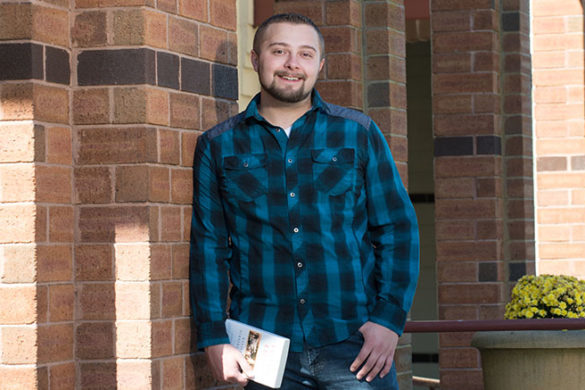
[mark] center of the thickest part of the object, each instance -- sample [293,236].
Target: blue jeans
[327,367]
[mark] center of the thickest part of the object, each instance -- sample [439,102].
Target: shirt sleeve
[209,252]
[393,231]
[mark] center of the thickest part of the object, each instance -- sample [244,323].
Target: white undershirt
[287,131]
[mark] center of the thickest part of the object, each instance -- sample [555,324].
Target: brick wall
[558,75]
[101,105]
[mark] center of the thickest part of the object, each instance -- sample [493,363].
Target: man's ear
[321,64]
[254,59]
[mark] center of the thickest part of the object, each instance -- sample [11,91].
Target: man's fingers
[361,357]
[245,367]
[387,367]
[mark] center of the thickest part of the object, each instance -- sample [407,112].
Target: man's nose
[291,61]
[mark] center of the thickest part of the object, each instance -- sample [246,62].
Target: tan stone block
[18,263]
[162,338]
[90,29]
[185,111]
[42,304]
[173,372]
[132,300]
[141,105]
[183,36]
[61,302]
[54,184]
[17,142]
[170,146]
[55,343]
[59,145]
[161,265]
[170,223]
[184,335]
[61,224]
[98,376]
[18,222]
[181,261]
[51,104]
[188,142]
[93,185]
[193,9]
[54,263]
[17,101]
[94,262]
[155,29]
[172,299]
[19,305]
[135,375]
[187,213]
[97,301]
[15,21]
[17,183]
[95,340]
[133,339]
[50,25]
[19,345]
[19,377]
[223,14]
[112,3]
[62,376]
[213,44]
[214,111]
[182,186]
[132,261]
[116,145]
[91,106]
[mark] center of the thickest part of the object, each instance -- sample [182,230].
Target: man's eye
[307,55]
[278,51]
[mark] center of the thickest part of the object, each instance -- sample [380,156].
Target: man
[300,202]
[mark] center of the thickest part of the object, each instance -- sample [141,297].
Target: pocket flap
[244,161]
[333,156]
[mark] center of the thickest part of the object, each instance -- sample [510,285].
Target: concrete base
[534,360]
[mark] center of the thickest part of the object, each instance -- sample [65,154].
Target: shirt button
[290,160]
[277,130]
[292,194]
[296,230]
[245,164]
[334,158]
[302,301]
[300,265]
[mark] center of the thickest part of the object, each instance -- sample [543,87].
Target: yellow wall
[247,79]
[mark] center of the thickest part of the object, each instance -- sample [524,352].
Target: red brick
[17,102]
[458,312]
[461,83]
[486,62]
[62,376]
[59,144]
[466,208]
[96,376]
[560,77]
[173,373]
[451,21]
[15,21]
[183,336]
[340,39]
[467,166]
[232,44]
[185,111]
[89,29]
[470,293]
[490,230]
[385,42]
[95,340]
[54,184]
[459,358]
[453,125]
[462,379]
[459,339]
[183,36]
[447,42]
[457,272]
[343,93]
[445,5]
[193,9]
[141,105]
[347,66]
[115,224]
[187,212]
[170,147]
[489,188]
[310,8]
[214,111]
[182,186]
[455,188]
[55,343]
[452,63]
[169,6]
[116,145]
[550,95]
[18,222]
[565,250]
[19,264]
[161,262]
[96,301]
[61,224]
[521,230]
[50,25]
[51,104]
[93,185]
[61,302]
[55,263]
[41,224]
[172,299]
[485,20]
[549,25]
[468,250]
[346,12]
[449,230]
[384,15]
[188,142]
[452,104]
[142,183]
[91,106]
[213,44]
[198,372]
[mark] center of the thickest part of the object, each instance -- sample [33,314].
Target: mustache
[287,74]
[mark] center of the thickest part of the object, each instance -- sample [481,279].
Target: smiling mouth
[290,78]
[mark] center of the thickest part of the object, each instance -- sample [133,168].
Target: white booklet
[266,352]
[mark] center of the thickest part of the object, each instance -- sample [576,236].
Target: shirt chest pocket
[246,176]
[333,170]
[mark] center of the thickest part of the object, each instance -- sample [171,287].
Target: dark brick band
[488,272]
[453,146]
[57,65]
[511,21]
[225,81]
[489,144]
[379,95]
[21,61]
[516,271]
[125,66]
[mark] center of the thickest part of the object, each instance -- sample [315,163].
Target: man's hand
[377,352]
[228,364]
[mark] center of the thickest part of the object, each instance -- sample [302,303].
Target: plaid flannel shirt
[315,232]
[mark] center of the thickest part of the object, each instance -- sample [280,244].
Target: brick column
[469,187]
[150,76]
[36,212]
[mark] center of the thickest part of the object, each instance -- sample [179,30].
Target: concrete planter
[535,360]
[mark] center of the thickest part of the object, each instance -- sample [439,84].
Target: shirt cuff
[211,333]
[390,316]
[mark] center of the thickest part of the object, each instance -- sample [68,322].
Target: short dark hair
[286,18]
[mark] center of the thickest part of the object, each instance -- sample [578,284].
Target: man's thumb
[246,368]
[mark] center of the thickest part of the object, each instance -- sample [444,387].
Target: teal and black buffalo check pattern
[315,231]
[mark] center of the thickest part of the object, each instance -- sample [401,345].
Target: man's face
[289,61]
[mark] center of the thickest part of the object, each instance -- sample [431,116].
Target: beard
[284,94]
